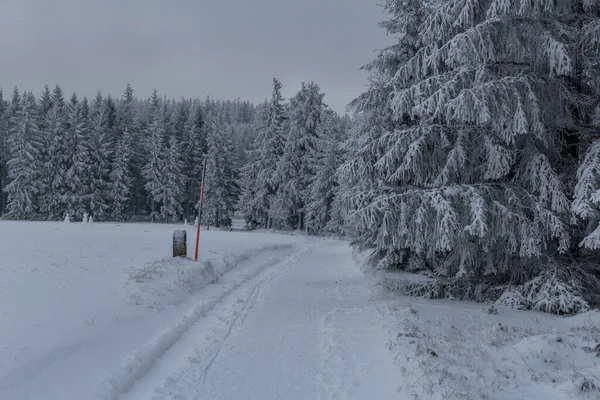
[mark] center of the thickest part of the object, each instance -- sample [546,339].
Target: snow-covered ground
[76,301]
[104,312]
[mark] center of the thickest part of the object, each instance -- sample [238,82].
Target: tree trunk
[300,221]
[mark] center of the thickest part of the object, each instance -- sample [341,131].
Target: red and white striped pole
[200,210]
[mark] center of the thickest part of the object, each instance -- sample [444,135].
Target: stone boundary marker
[180,243]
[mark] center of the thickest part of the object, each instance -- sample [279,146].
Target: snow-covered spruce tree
[221,189]
[112,118]
[296,166]
[171,191]
[120,181]
[194,148]
[56,159]
[181,113]
[494,98]
[24,143]
[168,118]
[125,179]
[324,186]
[78,175]
[338,214]
[248,205]
[101,198]
[260,184]
[45,105]
[154,137]
[4,150]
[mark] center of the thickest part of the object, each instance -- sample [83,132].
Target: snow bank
[170,281]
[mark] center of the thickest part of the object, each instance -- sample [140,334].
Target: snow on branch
[538,175]
[587,190]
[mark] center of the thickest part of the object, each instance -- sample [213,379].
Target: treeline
[120,159]
[113,158]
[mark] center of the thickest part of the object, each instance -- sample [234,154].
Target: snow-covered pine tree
[126,184]
[45,105]
[56,159]
[221,189]
[120,181]
[324,186]
[172,188]
[100,195]
[249,205]
[112,117]
[181,113]
[489,95]
[339,216]
[4,150]
[296,166]
[168,118]
[24,143]
[260,184]
[194,149]
[78,175]
[154,138]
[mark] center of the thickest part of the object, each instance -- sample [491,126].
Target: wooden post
[180,243]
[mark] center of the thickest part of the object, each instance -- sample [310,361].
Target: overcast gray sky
[191,48]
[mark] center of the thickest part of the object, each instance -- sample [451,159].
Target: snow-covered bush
[549,293]
[512,298]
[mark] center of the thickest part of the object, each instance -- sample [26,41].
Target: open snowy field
[103,312]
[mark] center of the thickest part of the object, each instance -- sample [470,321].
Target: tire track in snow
[119,387]
[250,298]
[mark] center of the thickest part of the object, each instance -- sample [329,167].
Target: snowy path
[305,328]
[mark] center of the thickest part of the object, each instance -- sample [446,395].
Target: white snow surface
[103,312]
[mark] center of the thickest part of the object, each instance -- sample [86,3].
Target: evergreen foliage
[471,133]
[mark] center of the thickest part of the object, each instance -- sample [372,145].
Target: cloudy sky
[192,48]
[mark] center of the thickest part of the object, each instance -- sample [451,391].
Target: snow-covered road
[305,328]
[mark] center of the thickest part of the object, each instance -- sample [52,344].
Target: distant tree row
[113,158]
[119,159]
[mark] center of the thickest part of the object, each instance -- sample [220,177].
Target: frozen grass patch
[455,350]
